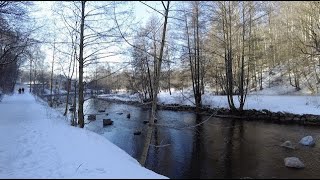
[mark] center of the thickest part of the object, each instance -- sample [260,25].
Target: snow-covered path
[36,142]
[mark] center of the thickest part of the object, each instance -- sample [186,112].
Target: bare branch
[153,8]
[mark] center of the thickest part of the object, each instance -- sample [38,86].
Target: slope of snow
[121,97]
[61,91]
[276,81]
[308,104]
[37,142]
[277,95]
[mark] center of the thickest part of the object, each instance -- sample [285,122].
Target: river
[218,148]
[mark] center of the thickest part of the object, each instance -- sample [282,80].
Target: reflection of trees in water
[153,160]
[197,150]
[229,150]
[146,145]
[156,140]
[148,138]
[230,145]
[140,140]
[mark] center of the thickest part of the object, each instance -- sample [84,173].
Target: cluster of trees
[230,46]
[16,42]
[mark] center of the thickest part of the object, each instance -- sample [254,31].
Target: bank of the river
[219,148]
[250,115]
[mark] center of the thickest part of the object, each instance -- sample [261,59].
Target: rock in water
[92,117]
[287,144]
[307,141]
[293,162]
[101,110]
[137,133]
[128,116]
[107,122]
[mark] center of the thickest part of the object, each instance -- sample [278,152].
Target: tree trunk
[51,79]
[241,89]
[198,103]
[190,58]
[228,58]
[30,75]
[67,100]
[155,91]
[81,85]
[150,82]
[158,70]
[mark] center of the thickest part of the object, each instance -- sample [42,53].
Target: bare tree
[15,41]
[156,86]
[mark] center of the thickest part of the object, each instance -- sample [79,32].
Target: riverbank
[281,117]
[38,142]
[216,148]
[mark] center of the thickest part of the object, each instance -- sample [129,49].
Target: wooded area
[228,47]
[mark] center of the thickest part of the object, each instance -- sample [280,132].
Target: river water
[218,148]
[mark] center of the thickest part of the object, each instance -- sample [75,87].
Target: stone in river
[293,162]
[287,144]
[307,141]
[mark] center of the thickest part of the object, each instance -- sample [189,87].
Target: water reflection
[218,148]
[197,150]
[229,150]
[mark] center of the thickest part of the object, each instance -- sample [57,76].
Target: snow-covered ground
[61,91]
[277,95]
[121,97]
[292,104]
[37,142]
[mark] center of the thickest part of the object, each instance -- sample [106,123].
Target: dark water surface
[219,148]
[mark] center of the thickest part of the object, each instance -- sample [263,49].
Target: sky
[44,16]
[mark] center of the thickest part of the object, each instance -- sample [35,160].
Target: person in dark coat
[19,90]
[22,90]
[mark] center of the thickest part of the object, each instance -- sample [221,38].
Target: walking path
[37,142]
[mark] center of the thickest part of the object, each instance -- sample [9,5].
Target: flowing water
[218,148]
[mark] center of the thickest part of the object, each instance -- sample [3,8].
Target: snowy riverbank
[297,104]
[37,142]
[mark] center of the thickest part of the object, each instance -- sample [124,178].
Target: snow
[275,103]
[277,96]
[37,142]
[308,104]
[61,91]
[121,97]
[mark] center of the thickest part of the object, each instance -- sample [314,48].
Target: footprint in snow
[101,170]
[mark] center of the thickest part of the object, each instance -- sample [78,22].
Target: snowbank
[283,103]
[37,142]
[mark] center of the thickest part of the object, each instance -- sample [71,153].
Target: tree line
[229,46]
[17,44]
